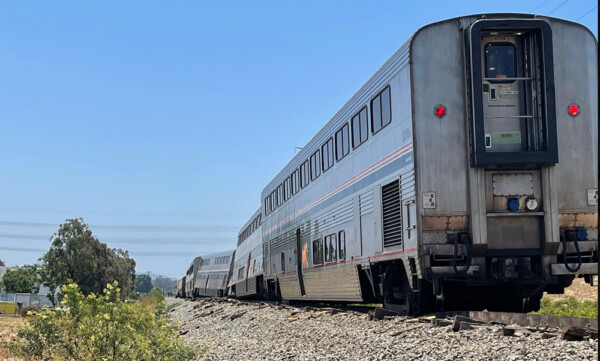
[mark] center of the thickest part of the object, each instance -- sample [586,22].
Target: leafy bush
[157,293]
[98,327]
[571,307]
[24,310]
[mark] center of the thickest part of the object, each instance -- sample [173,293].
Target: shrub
[570,307]
[98,327]
[24,310]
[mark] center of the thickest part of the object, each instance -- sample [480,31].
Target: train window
[315,165]
[360,128]
[342,143]
[327,151]
[318,251]
[273,200]
[286,189]
[282,262]
[381,110]
[500,61]
[342,245]
[240,273]
[330,248]
[304,174]
[294,179]
[280,195]
[267,205]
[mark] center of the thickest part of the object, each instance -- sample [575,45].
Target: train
[462,175]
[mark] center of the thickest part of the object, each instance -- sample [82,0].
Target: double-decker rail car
[190,278]
[180,288]
[462,175]
[212,274]
[247,271]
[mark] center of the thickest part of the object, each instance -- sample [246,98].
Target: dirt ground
[580,290]
[8,329]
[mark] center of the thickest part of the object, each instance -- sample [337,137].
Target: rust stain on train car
[304,256]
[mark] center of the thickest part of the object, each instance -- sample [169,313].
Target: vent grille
[392,216]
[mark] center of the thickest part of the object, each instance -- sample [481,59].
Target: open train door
[514,144]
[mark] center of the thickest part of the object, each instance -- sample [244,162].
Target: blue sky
[178,113]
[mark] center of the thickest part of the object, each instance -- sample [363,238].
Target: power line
[138,253]
[589,11]
[558,7]
[131,240]
[539,6]
[129,227]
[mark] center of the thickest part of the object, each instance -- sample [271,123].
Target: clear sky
[138,115]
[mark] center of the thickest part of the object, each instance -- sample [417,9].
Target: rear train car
[462,175]
[212,274]
[247,270]
[180,288]
[190,278]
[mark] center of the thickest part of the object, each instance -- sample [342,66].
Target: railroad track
[476,318]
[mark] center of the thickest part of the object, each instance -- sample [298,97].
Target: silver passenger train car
[247,270]
[212,274]
[190,278]
[462,175]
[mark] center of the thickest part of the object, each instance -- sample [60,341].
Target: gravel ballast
[236,330]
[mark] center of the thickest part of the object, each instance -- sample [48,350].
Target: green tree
[99,327]
[77,255]
[165,283]
[143,283]
[22,280]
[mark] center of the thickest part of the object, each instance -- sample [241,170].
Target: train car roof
[315,142]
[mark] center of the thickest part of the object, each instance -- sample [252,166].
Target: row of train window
[334,149]
[222,260]
[204,262]
[250,229]
[331,248]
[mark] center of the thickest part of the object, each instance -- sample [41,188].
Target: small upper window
[315,165]
[287,192]
[360,128]
[294,179]
[273,200]
[279,195]
[381,112]
[327,151]
[304,174]
[500,61]
[342,143]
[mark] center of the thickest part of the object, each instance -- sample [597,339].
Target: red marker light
[573,110]
[440,111]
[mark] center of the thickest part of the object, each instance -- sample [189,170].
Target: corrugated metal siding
[333,284]
[289,286]
[366,202]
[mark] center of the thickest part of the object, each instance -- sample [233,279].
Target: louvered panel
[392,215]
[366,202]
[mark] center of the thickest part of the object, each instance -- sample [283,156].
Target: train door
[512,85]
[301,258]
[514,133]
